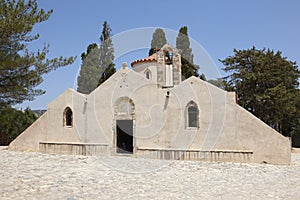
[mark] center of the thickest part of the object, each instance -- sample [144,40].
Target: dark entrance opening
[124,136]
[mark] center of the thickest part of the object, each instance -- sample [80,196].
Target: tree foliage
[188,68]
[13,122]
[267,86]
[97,63]
[106,54]
[203,77]
[158,41]
[219,82]
[90,72]
[21,70]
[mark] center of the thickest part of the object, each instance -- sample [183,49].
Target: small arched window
[148,74]
[68,117]
[192,115]
[168,57]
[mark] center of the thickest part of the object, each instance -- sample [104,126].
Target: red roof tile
[151,58]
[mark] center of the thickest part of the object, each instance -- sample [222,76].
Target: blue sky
[217,26]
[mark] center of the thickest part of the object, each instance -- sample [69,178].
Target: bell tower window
[169,68]
[168,57]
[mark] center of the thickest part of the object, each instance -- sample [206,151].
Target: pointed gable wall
[50,128]
[159,117]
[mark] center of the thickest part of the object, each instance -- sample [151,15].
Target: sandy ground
[44,176]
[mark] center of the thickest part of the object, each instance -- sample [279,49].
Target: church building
[149,111]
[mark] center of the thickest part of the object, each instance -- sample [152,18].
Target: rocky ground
[42,176]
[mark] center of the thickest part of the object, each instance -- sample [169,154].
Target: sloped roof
[152,58]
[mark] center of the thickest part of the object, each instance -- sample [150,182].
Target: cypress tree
[158,41]
[97,63]
[90,71]
[106,54]
[188,68]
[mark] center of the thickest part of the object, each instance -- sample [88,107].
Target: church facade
[149,112]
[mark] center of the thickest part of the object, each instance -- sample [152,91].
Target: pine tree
[294,123]
[158,41]
[188,68]
[267,86]
[21,69]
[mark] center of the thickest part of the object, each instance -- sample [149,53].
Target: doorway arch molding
[124,110]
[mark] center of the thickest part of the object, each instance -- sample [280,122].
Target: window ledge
[192,128]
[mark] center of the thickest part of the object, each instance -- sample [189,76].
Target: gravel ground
[45,176]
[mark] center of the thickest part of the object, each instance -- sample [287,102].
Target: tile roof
[152,58]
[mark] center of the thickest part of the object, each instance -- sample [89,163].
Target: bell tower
[162,67]
[168,66]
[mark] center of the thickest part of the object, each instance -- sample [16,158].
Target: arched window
[168,57]
[68,117]
[148,74]
[192,115]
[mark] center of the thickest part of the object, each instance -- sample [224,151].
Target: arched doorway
[124,140]
[124,122]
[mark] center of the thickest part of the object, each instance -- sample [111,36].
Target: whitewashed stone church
[148,112]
